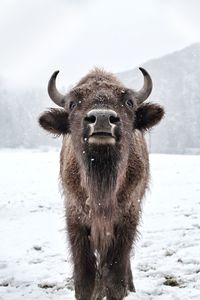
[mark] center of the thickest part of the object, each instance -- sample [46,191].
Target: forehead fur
[100,77]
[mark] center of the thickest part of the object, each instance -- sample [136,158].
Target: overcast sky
[40,36]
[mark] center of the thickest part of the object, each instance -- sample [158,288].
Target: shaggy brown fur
[103,184]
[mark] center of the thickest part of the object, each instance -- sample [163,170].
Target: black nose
[102,119]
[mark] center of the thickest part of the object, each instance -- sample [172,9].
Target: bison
[104,172]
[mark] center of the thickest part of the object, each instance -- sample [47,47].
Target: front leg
[117,272]
[84,261]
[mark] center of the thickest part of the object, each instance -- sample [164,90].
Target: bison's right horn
[54,94]
[144,93]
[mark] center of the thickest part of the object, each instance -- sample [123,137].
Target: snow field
[34,256]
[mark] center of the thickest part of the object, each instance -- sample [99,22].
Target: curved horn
[144,93]
[57,98]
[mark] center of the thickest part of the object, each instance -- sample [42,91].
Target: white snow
[34,257]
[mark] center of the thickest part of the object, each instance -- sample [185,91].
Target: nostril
[114,120]
[90,119]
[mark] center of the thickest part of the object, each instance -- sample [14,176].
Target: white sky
[40,36]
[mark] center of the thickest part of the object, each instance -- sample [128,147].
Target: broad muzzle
[102,124]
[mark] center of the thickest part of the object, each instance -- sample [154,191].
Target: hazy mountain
[176,87]
[176,79]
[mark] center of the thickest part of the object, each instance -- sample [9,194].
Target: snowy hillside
[177,88]
[34,260]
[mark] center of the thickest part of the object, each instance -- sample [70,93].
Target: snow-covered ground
[34,259]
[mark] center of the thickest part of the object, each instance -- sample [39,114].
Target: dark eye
[72,105]
[129,103]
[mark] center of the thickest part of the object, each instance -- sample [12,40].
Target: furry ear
[55,121]
[148,115]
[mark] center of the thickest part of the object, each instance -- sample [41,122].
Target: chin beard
[101,162]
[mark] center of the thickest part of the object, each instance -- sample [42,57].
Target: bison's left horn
[54,94]
[144,93]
